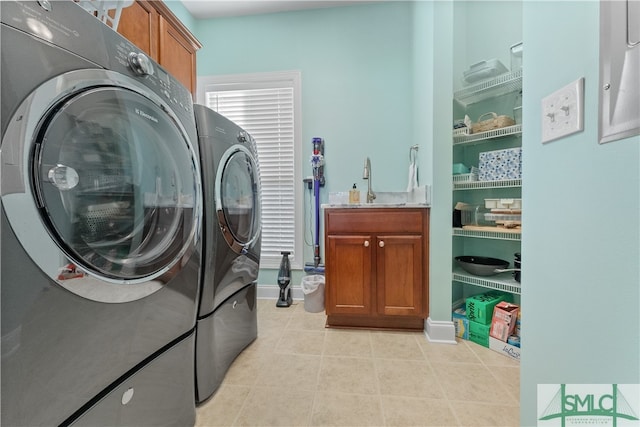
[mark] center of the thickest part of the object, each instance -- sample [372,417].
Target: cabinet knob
[366,243]
[381,243]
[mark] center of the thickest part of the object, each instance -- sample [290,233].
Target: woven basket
[495,122]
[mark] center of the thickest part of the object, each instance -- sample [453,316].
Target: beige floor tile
[448,353]
[509,377]
[346,342]
[273,323]
[408,378]
[397,345]
[223,407]
[347,375]
[486,415]
[276,406]
[490,357]
[299,373]
[292,371]
[301,342]
[301,320]
[244,370]
[269,305]
[264,344]
[407,411]
[471,382]
[339,409]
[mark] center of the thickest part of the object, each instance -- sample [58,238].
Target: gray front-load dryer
[101,226]
[227,320]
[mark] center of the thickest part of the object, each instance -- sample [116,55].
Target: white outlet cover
[563,112]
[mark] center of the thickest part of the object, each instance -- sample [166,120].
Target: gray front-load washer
[227,315]
[101,226]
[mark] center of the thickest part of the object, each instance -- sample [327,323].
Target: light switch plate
[563,111]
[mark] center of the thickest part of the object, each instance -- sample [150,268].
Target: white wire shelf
[460,139]
[480,185]
[500,282]
[500,85]
[505,234]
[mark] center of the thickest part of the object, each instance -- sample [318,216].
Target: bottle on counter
[354,195]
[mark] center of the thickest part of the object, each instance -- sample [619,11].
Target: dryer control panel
[67,25]
[126,58]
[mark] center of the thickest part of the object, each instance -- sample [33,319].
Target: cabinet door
[139,24]
[348,275]
[399,275]
[177,55]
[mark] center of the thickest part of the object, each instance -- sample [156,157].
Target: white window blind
[267,110]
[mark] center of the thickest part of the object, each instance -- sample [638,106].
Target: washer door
[238,198]
[116,186]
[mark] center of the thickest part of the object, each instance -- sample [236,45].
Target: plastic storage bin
[313,290]
[460,168]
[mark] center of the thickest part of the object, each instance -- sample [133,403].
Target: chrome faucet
[366,174]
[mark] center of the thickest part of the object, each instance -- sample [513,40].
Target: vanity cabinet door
[349,275]
[399,275]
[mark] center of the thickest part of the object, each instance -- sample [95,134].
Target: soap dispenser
[354,195]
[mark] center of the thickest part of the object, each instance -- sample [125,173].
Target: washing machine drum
[116,184]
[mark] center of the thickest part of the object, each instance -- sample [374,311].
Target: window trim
[269,80]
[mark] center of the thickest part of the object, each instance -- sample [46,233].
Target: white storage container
[484,70]
[503,203]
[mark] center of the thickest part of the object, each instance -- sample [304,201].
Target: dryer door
[238,198]
[115,185]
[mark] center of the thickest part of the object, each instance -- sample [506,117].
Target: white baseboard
[273,292]
[439,331]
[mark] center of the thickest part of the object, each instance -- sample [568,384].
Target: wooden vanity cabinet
[152,27]
[377,267]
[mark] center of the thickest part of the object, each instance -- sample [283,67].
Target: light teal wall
[356,84]
[181,13]
[440,229]
[581,243]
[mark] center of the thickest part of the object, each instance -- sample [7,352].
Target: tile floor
[298,373]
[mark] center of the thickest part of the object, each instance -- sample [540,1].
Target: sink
[420,197]
[391,198]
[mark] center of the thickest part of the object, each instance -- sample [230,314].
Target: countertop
[417,198]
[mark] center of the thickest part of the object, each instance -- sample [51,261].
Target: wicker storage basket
[495,122]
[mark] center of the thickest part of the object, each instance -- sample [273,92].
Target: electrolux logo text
[615,405]
[146,115]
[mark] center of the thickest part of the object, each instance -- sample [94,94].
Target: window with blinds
[267,106]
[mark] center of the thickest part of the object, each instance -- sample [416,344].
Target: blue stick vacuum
[317,164]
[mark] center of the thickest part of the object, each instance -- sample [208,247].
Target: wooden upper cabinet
[139,24]
[177,54]
[152,27]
